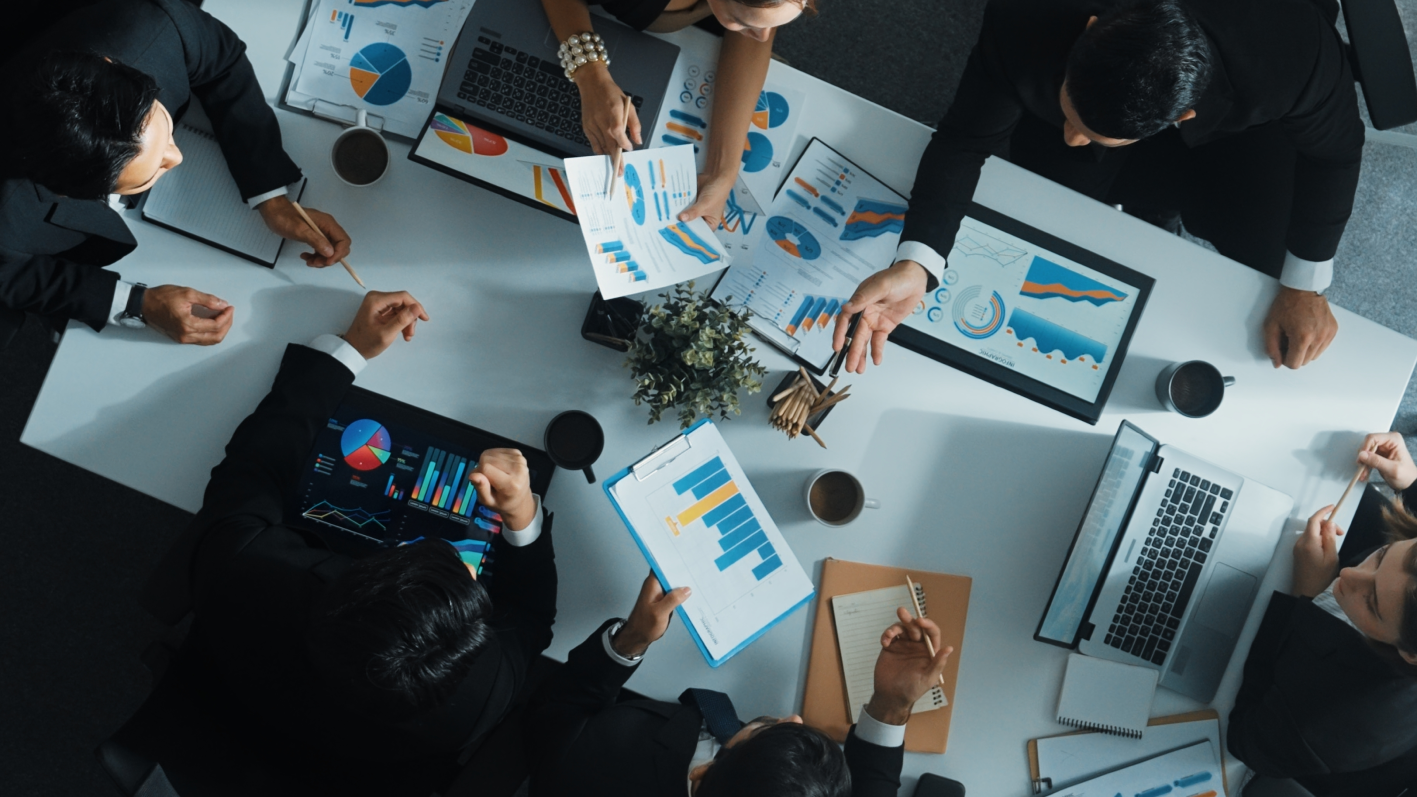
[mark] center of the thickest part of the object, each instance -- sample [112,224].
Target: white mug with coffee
[360,155]
[835,497]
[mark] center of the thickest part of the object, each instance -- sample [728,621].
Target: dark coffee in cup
[574,441]
[360,156]
[1194,389]
[835,497]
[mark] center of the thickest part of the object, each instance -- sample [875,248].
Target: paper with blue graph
[1028,309]
[694,515]
[831,226]
[633,235]
[1192,771]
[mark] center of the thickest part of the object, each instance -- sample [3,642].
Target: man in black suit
[401,656]
[1239,119]
[92,106]
[582,742]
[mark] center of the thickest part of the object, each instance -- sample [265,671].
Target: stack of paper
[385,57]
[1189,772]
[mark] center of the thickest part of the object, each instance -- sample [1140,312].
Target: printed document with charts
[694,515]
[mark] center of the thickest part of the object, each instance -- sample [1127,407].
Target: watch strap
[134,308]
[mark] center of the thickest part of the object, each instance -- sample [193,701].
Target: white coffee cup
[360,155]
[835,497]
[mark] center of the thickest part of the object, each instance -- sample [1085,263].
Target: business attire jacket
[1276,62]
[582,742]
[52,248]
[1318,704]
[256,580]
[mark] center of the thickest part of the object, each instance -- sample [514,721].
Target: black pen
[845,346]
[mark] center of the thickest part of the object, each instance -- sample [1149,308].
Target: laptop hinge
[1156,461]
[1085,631]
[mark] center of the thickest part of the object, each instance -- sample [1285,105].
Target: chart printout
[830,227]
[384,56]
[1192,771]
[704,527]
[633,235]
[1027,309]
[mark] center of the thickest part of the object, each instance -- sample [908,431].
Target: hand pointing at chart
[884,300]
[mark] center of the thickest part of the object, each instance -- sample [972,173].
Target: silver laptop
[1166,564]
[504,73]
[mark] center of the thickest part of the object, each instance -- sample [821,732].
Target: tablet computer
[1030,313]
[382,473]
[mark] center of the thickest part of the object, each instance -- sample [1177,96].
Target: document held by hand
[633,234]
[696,518]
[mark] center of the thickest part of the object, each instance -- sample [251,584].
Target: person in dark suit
[1238,119]
[581,741]
[399,657]
[1330,685]
[93,105]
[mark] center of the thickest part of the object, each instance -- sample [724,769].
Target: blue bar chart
[444,483]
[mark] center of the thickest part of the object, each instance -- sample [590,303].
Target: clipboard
[1041,784]
[653,466]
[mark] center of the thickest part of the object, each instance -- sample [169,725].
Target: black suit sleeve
[1328,134]
[875,770]
[222,78]
[53,286]
[985,111]
[524,592]
[1262,731]
[586,685]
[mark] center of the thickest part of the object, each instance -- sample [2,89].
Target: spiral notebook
[1106,696]
[860,619]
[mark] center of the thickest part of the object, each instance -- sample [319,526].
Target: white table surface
[974,480]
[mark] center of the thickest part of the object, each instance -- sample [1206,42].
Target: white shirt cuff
[870,729]
[1306,275]
[339,348]
[520,538]
[121,290]
[610,649]
[924,255]
[259,198]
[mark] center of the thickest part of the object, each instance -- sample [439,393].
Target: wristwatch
[132,315]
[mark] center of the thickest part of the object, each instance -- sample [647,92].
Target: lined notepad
[200,199]
[861,618]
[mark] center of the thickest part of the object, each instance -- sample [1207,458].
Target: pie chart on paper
[380,74]
[365,445]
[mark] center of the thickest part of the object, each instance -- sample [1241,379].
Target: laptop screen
[382,473]
[1096,538]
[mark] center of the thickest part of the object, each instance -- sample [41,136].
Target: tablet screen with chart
[1030,312]
[382,473]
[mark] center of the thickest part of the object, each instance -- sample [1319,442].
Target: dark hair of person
[1402,525]
[783,760]
[809,7]
[1139,68]
[396,633]
[78,120]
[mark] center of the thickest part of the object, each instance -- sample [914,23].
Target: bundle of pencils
[792,407]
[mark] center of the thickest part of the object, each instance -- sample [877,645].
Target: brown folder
[824,704]
[1035,776]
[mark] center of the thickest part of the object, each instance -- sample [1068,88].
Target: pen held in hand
[342,262]
[619,157]
[915,601]
[845,346]
[1362,469]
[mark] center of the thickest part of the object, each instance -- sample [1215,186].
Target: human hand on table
[330,242]
[187,315]
[713,197]
[649,619]
[382,318]
[905,670]
[1316,555]
[1299,327]
[503,483]
[603,116]
[883,299]
[1386,453]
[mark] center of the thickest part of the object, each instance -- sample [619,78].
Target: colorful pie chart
[365,445]
[771,110]
[380,74]
[793,238]
[757,152]
[462,136]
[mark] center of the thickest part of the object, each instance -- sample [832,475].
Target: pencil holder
[613,323]
[814,421]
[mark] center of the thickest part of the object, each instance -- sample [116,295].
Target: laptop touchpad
[1226,604]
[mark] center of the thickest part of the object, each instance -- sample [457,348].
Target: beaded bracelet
[579,50]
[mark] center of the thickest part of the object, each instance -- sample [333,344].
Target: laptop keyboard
[1170,562]
[526,88]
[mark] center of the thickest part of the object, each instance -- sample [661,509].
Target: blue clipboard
[659,574]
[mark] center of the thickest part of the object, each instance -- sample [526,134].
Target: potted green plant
[691,353]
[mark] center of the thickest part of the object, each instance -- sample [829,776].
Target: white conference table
[974,480]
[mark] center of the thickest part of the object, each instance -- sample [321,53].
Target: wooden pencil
[342,261]
[930,646]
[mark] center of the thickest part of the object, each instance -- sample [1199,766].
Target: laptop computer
[1165,564]
[504,74]
[383,473]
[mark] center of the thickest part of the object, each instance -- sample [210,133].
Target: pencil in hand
[316,228]
[915,601]
[618,158]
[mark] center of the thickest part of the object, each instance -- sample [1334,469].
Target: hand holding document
[632,232]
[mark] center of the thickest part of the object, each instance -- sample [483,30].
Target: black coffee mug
[574,441]
[1194,389]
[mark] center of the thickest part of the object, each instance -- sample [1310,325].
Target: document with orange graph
[700,524]
[632,230]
